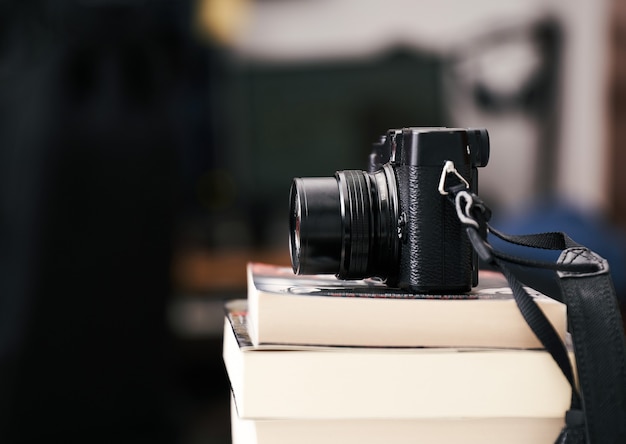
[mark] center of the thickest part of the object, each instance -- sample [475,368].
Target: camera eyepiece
[479,140]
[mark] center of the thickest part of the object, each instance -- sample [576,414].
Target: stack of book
[313,359]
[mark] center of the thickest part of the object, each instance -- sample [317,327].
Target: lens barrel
[315,225]
[356,209]
[345,224]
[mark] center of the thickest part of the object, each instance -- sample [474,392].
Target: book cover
[324,310]
[299,382]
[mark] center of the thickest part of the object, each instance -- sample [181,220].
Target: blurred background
[147,148]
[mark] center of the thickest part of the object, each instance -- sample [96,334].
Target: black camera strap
[598,408]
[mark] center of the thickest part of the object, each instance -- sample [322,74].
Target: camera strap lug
[470,209]
[448,168]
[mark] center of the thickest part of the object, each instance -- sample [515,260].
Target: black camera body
[392,221]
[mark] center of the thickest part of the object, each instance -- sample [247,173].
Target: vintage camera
[391,222]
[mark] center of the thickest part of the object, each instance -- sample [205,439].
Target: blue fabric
[590,229]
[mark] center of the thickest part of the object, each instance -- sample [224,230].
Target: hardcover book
[285,308]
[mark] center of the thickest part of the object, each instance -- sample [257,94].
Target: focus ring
[356,214]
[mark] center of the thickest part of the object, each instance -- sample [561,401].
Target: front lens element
[315,225]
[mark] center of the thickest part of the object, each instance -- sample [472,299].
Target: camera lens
[345,225]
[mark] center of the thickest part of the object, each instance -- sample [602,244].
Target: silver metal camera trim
[449,168]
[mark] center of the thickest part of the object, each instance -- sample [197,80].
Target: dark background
[128,144]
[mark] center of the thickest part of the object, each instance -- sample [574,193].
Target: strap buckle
[464,211]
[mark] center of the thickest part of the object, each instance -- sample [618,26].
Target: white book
[322,310]
[396,431]
[298,382]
